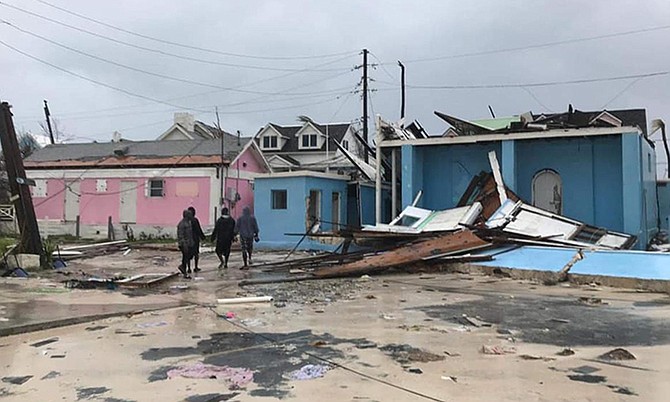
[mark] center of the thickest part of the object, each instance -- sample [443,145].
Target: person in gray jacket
[185,241]
[247,227]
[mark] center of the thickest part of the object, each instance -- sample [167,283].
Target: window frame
[275,203]
[151,188]
[308,137]
[271,138]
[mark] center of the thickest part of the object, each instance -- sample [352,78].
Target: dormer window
[270,142]
[308,141]
[345,144]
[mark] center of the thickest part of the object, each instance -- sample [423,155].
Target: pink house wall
[168,210]
[52,206]
[247,161]
[94,207]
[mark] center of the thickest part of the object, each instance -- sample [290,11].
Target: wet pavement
[393,337]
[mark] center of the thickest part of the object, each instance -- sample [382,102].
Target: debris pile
[488,215]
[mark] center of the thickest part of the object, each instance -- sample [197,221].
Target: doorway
[335,218]
[314,211]
[548,191]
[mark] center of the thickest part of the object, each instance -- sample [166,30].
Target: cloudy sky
[263,61]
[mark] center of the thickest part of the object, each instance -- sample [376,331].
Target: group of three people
[190,233]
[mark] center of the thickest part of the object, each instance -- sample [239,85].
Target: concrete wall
[590,170]
[274,224]
[663,188]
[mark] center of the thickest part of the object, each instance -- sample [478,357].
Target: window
[308,141]
[345,144]
[101,186]
[156,187]
[39,190]
[279,198]
[270,142]
[548,191]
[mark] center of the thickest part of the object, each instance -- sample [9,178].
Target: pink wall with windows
[168,210]
[51,207]
[248,161]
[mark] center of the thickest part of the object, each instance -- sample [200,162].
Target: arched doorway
[548,191]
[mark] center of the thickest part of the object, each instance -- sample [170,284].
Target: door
[314,211]
[72,195]
[128,202]
[548,191]
[335,218]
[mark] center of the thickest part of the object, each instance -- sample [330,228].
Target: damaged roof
[539,122]
[135,153]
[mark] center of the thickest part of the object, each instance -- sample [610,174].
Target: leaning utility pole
[365,99]
[402,91]
[47,114]
[19,185]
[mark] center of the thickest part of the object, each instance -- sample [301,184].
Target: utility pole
[47,114]
[19,185]
[402,91]
[365,99]
[221,179]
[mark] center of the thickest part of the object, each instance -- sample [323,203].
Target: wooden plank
[413,252]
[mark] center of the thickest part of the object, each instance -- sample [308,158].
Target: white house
[310,146]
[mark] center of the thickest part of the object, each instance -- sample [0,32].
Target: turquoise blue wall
[273,223]
[442,172]
[590,169]
[608,181]
[663,189]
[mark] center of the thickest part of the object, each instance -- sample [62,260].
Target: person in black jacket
[223,234]
[185,241]
[198,235]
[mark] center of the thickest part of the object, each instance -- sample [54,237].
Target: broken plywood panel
[442,245]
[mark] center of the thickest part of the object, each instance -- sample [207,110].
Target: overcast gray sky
[391,30]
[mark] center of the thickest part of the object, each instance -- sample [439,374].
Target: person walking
[185,241]
[247,228]
[198,235]
[223,234]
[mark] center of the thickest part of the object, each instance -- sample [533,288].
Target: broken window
[309,140]
[279,199]
[270,142]
[156,187]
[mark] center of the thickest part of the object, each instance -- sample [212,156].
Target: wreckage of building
[597,168]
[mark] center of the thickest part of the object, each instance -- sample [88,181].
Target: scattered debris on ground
[309,372]
[617,354]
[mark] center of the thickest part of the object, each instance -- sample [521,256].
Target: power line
[131,68]
[147,49]
[539,102]
[237,86]
[537,84]
[322,56]
[83,77]
[538,46]
[618,94]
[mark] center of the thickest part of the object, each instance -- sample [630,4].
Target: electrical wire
[148,49]
[537,84]
[85,78]
[537,46]
[131,68]
[322,56]
[539,102]
[618,94]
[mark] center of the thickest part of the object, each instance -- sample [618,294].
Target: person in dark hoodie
[247,228]
[185,241]
[198,235]
[223,234]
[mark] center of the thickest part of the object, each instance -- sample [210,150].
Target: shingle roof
[336,132]
[137,150]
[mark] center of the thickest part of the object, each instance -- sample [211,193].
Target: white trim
[473,139]
[304,126]
[281,159]
[120,173]
[269,126]
[304,173]
[258,151]
[608,118]
[171,129]
[206,130]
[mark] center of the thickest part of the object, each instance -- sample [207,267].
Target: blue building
[290,204]
[595,167]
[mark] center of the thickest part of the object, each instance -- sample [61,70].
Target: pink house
[141,187]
